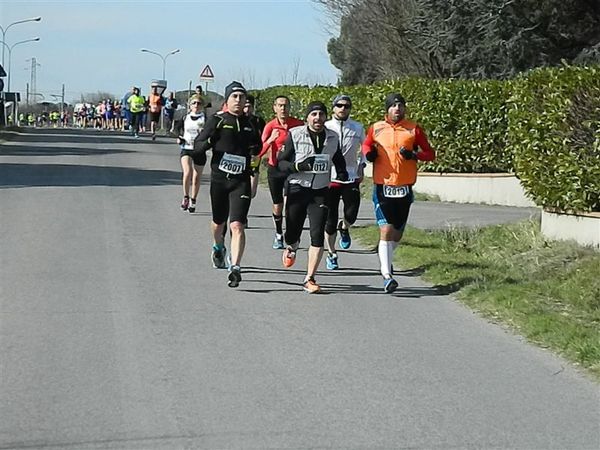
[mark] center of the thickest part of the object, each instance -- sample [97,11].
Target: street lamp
[10,49]
[164,58]
[4,30]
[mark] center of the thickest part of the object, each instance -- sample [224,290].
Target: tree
[382,39]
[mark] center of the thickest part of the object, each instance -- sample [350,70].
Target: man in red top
[273,138]
[394,146]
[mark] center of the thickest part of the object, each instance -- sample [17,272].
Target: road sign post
[207,75]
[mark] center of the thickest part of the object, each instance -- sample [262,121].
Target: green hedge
[554,132]
[543,126]
[451,113]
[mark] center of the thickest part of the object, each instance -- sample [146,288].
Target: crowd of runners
[313,165]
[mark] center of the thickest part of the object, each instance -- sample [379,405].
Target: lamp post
[10,49]
[4,30]
[164,58]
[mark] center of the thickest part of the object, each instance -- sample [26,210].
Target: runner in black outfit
[235,144]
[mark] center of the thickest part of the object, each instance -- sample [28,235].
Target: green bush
[465,120]
[554,132]
[544,126]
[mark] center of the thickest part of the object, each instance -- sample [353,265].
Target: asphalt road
[116,332]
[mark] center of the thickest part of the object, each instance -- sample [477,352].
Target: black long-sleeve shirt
[227,133]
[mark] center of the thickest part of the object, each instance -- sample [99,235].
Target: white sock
[386,253]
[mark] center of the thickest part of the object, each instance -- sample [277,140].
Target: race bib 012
[321,164]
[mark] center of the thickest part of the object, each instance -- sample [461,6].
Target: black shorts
[229,197]
[391,211]
[276,180]
[199,158]
[303,202]
[350,195]
[154,116]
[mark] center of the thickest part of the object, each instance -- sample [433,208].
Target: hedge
[544,126]
[554,133]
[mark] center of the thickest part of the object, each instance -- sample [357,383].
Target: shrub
[554,132]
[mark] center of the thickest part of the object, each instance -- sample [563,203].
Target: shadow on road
[22,150]
[88,136]
[28,175]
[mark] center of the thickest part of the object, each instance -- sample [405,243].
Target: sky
[93,46]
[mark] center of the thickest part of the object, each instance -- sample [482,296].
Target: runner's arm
[205,140]
[266,146]
[340,164]
[369,146]
[424,152]
[287,156]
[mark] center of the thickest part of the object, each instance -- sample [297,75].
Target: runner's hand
[274,136]
[408,154]
[342,176]
[371,155]
[306,165]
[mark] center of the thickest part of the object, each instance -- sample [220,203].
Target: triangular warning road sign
[207,72]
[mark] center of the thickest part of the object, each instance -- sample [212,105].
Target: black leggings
[229,197]
[350,194]
[301,202]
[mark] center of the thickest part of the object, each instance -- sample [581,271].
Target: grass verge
[547,291]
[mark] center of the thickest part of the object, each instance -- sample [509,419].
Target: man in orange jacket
[394,145]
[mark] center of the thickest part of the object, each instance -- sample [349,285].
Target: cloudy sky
[95,46]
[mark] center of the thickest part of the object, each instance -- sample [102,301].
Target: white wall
[584,229]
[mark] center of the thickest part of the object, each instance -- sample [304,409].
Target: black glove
[306,165]
[180,140]
[371,155]
[342,176]
[408,154]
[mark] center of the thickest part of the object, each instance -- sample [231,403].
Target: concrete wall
[584,229]
[490,189]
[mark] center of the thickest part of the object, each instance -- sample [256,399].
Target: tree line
[470,39]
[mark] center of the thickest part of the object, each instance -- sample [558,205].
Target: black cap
[315,106]
[234,86]
[392,99]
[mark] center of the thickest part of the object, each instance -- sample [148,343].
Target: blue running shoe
[332,262]
[345,239]
[278,243]
[218,257]
[389,285]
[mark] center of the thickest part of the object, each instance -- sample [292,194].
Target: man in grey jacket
[308,155]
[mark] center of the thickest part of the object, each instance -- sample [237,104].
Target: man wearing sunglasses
[394,145]
[351,135]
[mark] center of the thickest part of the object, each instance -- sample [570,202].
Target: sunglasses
[342,105]
[196,103]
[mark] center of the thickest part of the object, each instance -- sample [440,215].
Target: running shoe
[278,243]
[153,137]
[192,206]
[185,203]
[345,239]
[311,286]
[332,261]
[389,285]
[234,277]
[288,257]
[218,257]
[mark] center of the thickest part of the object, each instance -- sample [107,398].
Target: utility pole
[33,82]
[27,96]
[62,105]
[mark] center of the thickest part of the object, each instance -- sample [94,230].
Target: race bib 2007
[233,164]
[321,164]
[395,191]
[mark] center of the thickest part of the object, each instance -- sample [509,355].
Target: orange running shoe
[311,286]
[288,257]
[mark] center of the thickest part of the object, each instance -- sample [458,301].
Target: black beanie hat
[250,99]
[234,86]
[392,99]
[315,106]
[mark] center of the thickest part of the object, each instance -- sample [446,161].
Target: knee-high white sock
[386,253]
